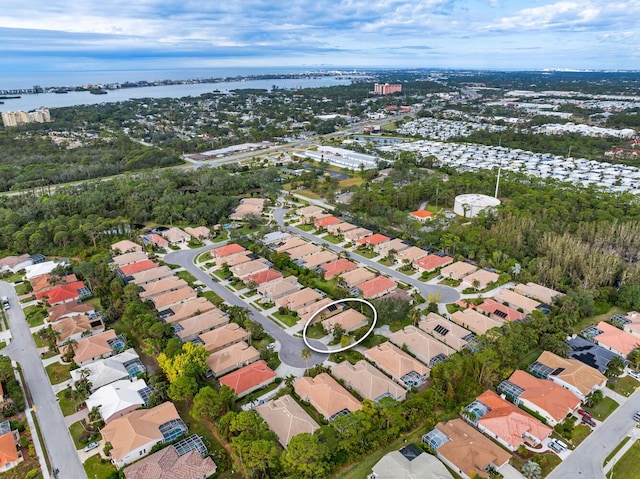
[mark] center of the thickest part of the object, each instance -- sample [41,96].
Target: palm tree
[306,355]
[70,347]
[531,470]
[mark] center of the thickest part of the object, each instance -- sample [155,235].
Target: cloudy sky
[139,34]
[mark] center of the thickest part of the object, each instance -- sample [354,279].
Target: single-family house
[302,251]
[505,422]
[356,234]
[118,398]
[299,299]
[465,450]
[337,267]
[376,287]
[388,247]
[125,246]
[543,396]
[305,313]
[100,345]
[128,258]
[372,240]
[63,310]
[472,320]
[126,365]
[312,261]
[421,215]
[614,339]
[286,418]
[226,250]
[46,282]
[458,270]
[65,293]
[481,279]
[169,298]
[251,267]
[402,368]
[309,210]
[73,328]
[418,465]
[421,345]
[133,268]
[274,290]
[223,337]
[199,232]
[448,332]
[590,353]
[410,254]
[349,320]
[181,311]
[630,323]
[327,221]
[10,454]
[188,329]
[326,395]
[248,206]
[431,262]
[236,259]
[353,278]
[367,381]
[151,275]
[308,219]
[245,380]
[275,237]
[134,435]
[516,301]
[182,460]
[340,228]
[154,240]
[569,373]
[15,263]
[232,357]
[537,291]
[165,285]
[500,312]
[38,269]
[267,276]
[289,243]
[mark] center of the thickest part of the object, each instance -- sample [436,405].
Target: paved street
[290,347]
[58,442]
[447,294]
[586,461]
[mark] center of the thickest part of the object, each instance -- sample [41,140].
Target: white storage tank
[471,205]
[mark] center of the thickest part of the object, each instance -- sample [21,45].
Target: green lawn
[585,322]
[23,288]
[580,433]
[77,431]
[348,355]
[58,372]
[306,228]
[68,404]
[627,466]
[367,253]
[222,274]
[549,463]
[625,386]
[35,315]
[256,394]
[40,343]
[386,262]
[212,296]
[286,318]
[188,277]
[615,450]
[98,468]
[333,239]
[316,331]
[603,409]
[529,358]
[95,302]
[206,256]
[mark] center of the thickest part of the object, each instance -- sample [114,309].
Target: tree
[305,457]
[70,346]
[305,354]
[634,357]
[531,470]
[191,361]
[212,404]
[183,388]
[615,367]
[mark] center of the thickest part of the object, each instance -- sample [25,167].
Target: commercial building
[387,88]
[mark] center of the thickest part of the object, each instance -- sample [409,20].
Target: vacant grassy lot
[625,386]
[286,319]
[627,466]
[35,315]
[603,409]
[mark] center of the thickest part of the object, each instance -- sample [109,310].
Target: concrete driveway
[57,441]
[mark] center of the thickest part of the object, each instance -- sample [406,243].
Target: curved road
[57,441]
[447,294]
[290,347]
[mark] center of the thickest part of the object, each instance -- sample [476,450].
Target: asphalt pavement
[290,347]
[56,437]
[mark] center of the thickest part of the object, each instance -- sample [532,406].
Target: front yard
[58,372]
[627,466]
[603,409]
[286,318]
[35,314]
[68,402]
[99,468]
[625,386]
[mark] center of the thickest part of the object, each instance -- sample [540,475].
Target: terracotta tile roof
[509,422]
[68,309]
[44,282]
[474,321]
[420,344]
[224,336]
[302,251]
[422,214]
[286,418]
[340,228]
[615,339]
[200,323]
[308,311]
[411,254]
[377,287]
[394,361]
[93,346]
[458,270]
[232,357]
[324,222]
[168,298]
[290,243]
[251,267]
[357,276]
[13,261]
[198,232]
[446,331]
[278,289]
[546,395]
[431,262]
[153,274]
[516,300]
[349,320]
[483,276]
[309,210]
[469,450]
[74,325]
[125,246]
[63,293]
[189,308]
[334,268]
[537,291]
[373,239]
[176,235]
[356,234]
[575,373]
[367,381]
[317,259]
[137,428]
[326,395]
[128,258]
[299,299]
[227,250]
[155,239]
[8,450]
[236,259]
[249,378]
[167,464]
[500,311]
[395,244]
[163,285]
[245,209]
[134,268]
[264,276]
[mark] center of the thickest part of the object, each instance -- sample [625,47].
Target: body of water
[59,79]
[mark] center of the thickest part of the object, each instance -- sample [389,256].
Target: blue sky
[145,34]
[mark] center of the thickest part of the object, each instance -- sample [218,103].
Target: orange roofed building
[376,287]
[326,395]
[337,267]
[249,378]
[227,250]
[431,262]
[505,422]
[10,456]
[373,240]
[421,215]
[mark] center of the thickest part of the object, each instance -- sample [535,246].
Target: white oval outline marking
[339,350]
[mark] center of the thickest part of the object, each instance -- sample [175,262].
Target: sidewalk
[635,435]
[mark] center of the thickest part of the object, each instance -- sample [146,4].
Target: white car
[634,374]
[91,446]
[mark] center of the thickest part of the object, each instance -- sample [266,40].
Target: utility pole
[498,181]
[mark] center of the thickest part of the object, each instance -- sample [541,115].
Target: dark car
[584,413]
[589,421]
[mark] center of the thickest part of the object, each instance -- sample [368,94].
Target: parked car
[636,417]
[584,413]
[589,421]
[561,444]
[634,374]
[553,445]
[90,446]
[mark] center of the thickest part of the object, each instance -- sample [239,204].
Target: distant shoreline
[193,81]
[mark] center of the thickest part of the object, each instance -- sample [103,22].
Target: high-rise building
[387,88]
[15,118]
